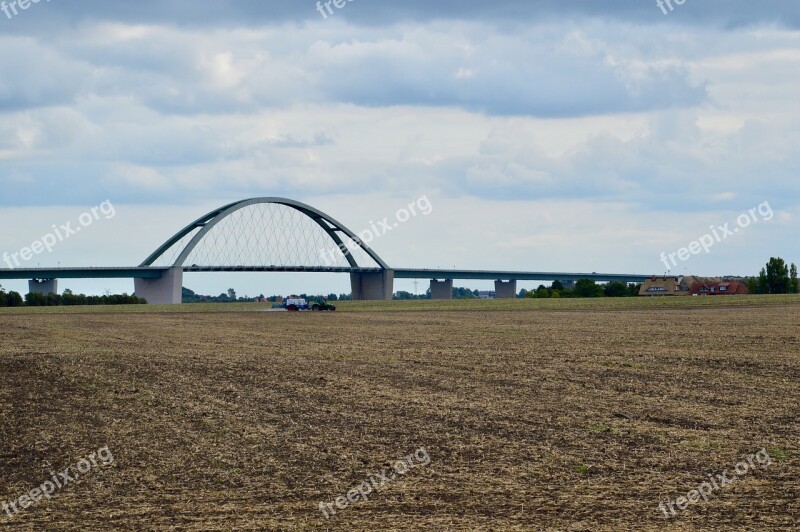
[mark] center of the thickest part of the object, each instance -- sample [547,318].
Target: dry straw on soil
[536,418]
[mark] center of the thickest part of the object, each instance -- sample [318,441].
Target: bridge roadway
[163,285]
[491,275]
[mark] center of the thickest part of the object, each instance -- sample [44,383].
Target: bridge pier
[166,290]
[442,289]
[43,286]
[372,286]
[505,289]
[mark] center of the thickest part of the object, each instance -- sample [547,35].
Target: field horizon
[516,304]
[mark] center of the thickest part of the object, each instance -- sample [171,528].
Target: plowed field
[531,417]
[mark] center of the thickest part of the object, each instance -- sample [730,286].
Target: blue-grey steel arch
[207,222]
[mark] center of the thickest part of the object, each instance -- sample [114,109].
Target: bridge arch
[203,226]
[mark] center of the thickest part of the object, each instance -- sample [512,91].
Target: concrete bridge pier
[505,289]
[166,290]
[442,289]
[372,286]
[43,286]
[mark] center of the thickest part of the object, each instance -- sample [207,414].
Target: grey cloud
[721,13]
[505,77]
[543,73]
[34,75]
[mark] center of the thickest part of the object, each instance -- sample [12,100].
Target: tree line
[583,288]
[190,296]
[67,299]
[775,278]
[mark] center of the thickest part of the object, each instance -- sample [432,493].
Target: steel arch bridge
[267,234]
[259,237]
[274,234]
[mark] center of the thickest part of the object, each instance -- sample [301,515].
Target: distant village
[694,286]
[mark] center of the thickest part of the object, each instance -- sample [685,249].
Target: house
[724,288]
[663,286]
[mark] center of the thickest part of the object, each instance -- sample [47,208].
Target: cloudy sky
[548,135]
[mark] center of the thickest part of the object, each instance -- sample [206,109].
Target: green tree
[762,283]
[35,300]
[14,299]
[776,276]
[231,294]
[634,288]
[752,285]
[463,293]
[616,289]
[793,284]
[557,286]
[542,292]
[587,288]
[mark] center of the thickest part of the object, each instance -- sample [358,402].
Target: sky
[557,135]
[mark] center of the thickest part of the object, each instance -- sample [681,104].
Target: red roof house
[731,288]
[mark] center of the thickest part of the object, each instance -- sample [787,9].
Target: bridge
[281,235]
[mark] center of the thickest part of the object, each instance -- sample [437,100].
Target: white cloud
[140,177]
[723,196]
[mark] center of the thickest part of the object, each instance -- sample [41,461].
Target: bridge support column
[442,289]
[372,286]
[505,289]
[43,286]
[166,290]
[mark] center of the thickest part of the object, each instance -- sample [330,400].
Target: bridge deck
[82,273]
[490,275]
[399,273]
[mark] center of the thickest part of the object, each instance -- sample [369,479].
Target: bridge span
[281,235]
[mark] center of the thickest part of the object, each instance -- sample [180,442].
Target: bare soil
[567,419]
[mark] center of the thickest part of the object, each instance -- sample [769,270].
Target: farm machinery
[297,304]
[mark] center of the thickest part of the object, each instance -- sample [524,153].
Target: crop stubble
[533,419]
